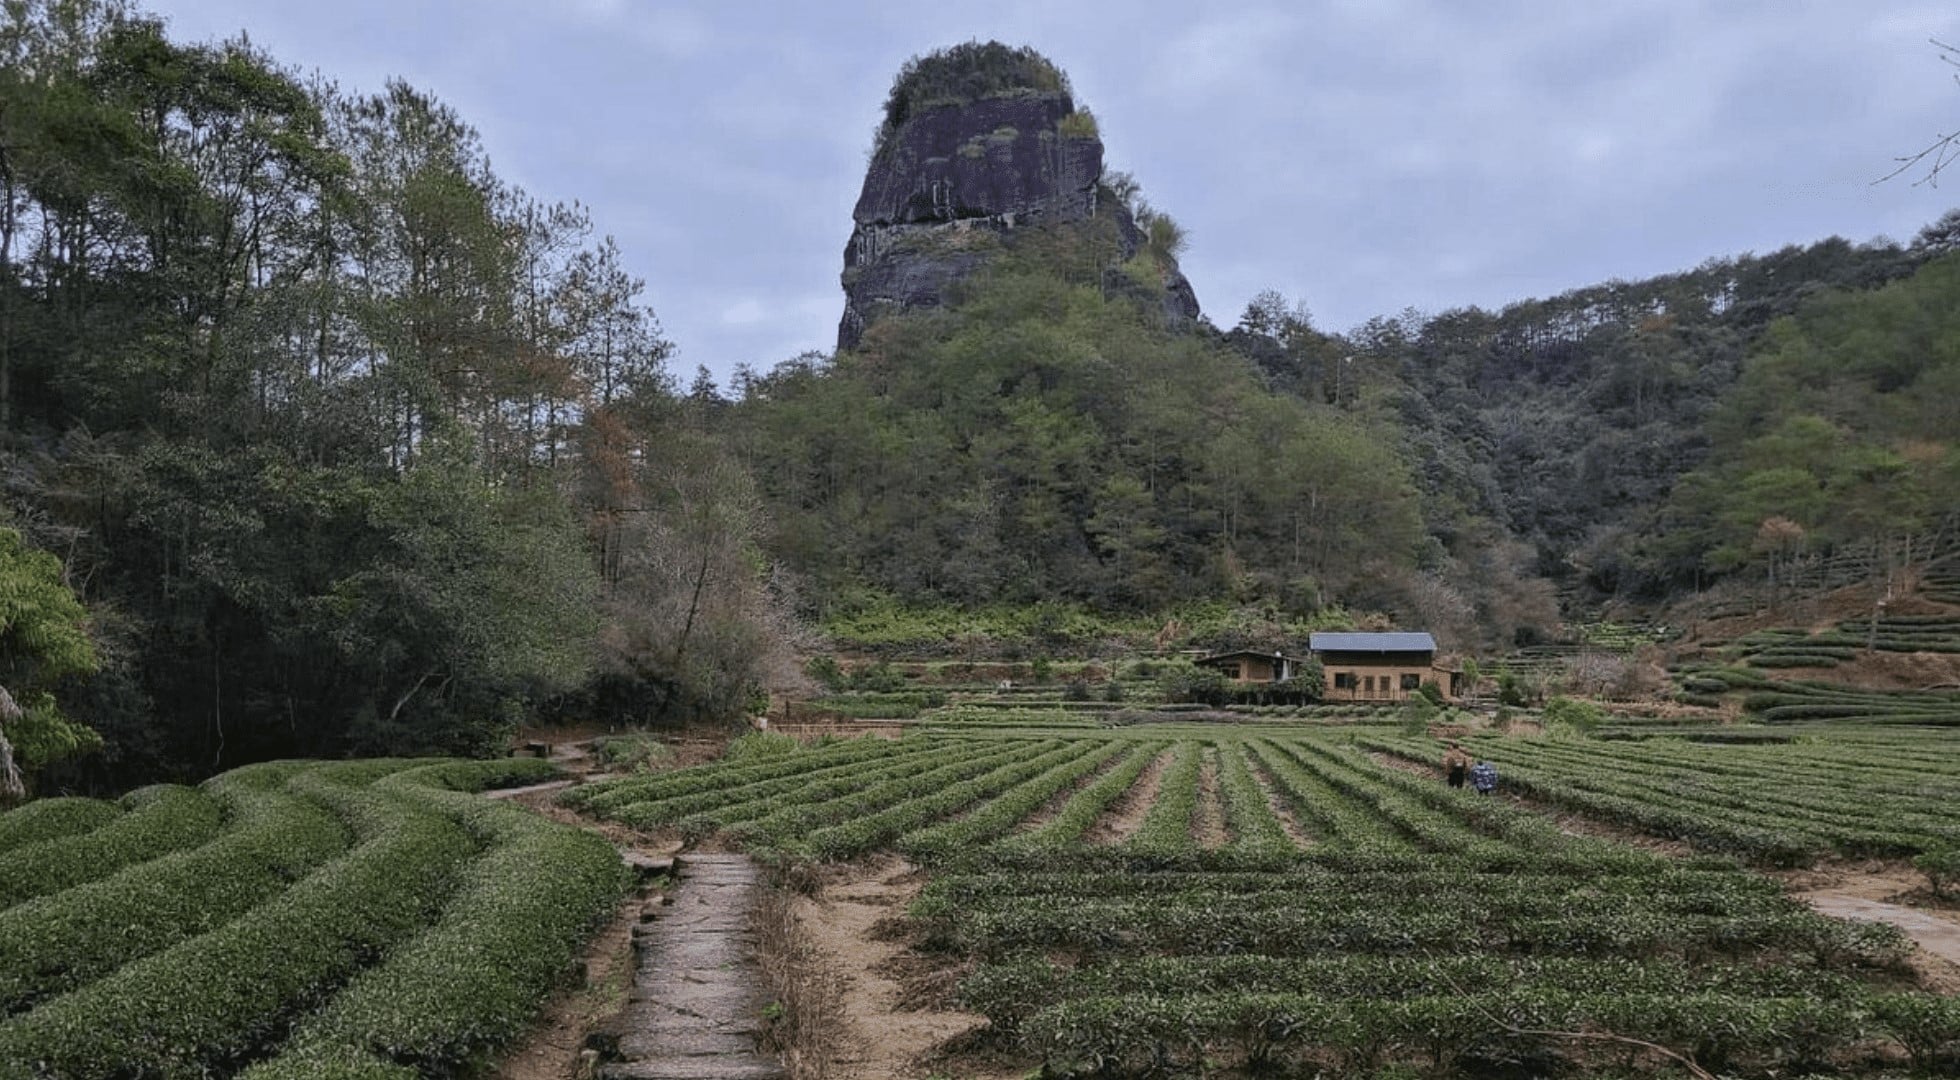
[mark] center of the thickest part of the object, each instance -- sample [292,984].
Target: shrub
[825,670]
[162,818]
[1941,867]
[1191,683]
[45,819]
[1574,715]
[963,73]
[879,678]
[760,745]
[450,996]
[1415,714]
[1080,124]
[57,942]
[224,994]
[1510,691]
[640,753]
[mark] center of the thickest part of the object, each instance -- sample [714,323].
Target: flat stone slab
[695,1009]
[694,1068]
[1930,932]
[534,789]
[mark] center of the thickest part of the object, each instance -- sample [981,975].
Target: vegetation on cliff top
[966,72]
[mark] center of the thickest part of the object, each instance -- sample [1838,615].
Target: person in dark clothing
[1483,777]
[1456,763]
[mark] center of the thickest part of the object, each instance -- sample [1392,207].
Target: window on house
[1410,682]
[1231,671]
[1344,680]
[1368,684]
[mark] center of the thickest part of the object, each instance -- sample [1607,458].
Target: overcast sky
[1362,156]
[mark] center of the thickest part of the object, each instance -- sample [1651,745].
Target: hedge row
[1248,814]
[46,819]
[448,999]
[1797,1033]
[1079,814]
[1167,826]
[221,996]
[160,819]
[57,942]
[1003,813]
[609,795]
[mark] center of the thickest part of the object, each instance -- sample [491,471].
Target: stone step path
[696,1008]
[534,789]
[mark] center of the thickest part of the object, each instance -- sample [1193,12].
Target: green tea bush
[760,746]
[46,819]
[160,819]
[221,995]
[446,1000]
[639,753]
[56,942]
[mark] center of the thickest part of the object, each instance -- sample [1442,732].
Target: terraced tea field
[1173,899]
[372,919]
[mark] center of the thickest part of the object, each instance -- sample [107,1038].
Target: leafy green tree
[478,598]
[43,640]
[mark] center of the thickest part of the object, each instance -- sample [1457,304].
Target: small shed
[1252,666]
[1379,667]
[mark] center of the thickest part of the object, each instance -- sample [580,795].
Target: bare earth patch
[1289,822]
[882,1026]
[1208,821]
[1052,809]
[1125,816]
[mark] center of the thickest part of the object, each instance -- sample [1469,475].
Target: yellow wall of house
[1373,683]
[1253,669]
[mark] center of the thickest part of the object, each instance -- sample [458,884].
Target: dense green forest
[347,444]
[334,442]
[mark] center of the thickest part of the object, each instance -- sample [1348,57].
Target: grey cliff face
[953,182]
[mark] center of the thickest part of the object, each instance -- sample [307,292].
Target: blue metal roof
[1371,643]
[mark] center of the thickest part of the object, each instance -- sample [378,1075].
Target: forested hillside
[347,444]
[1050,429]
[1565,423]
[1044,439]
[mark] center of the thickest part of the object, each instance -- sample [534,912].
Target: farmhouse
[1379,667]
[1251,666]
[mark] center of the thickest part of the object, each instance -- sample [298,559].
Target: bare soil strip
[1288,820]
[884,1017]
[1125,816]
[1052,809]
[1208,820]
[1887,892]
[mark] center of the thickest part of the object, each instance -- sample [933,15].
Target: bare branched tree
[1944,150]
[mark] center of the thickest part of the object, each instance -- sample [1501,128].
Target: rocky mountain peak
[979,140]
